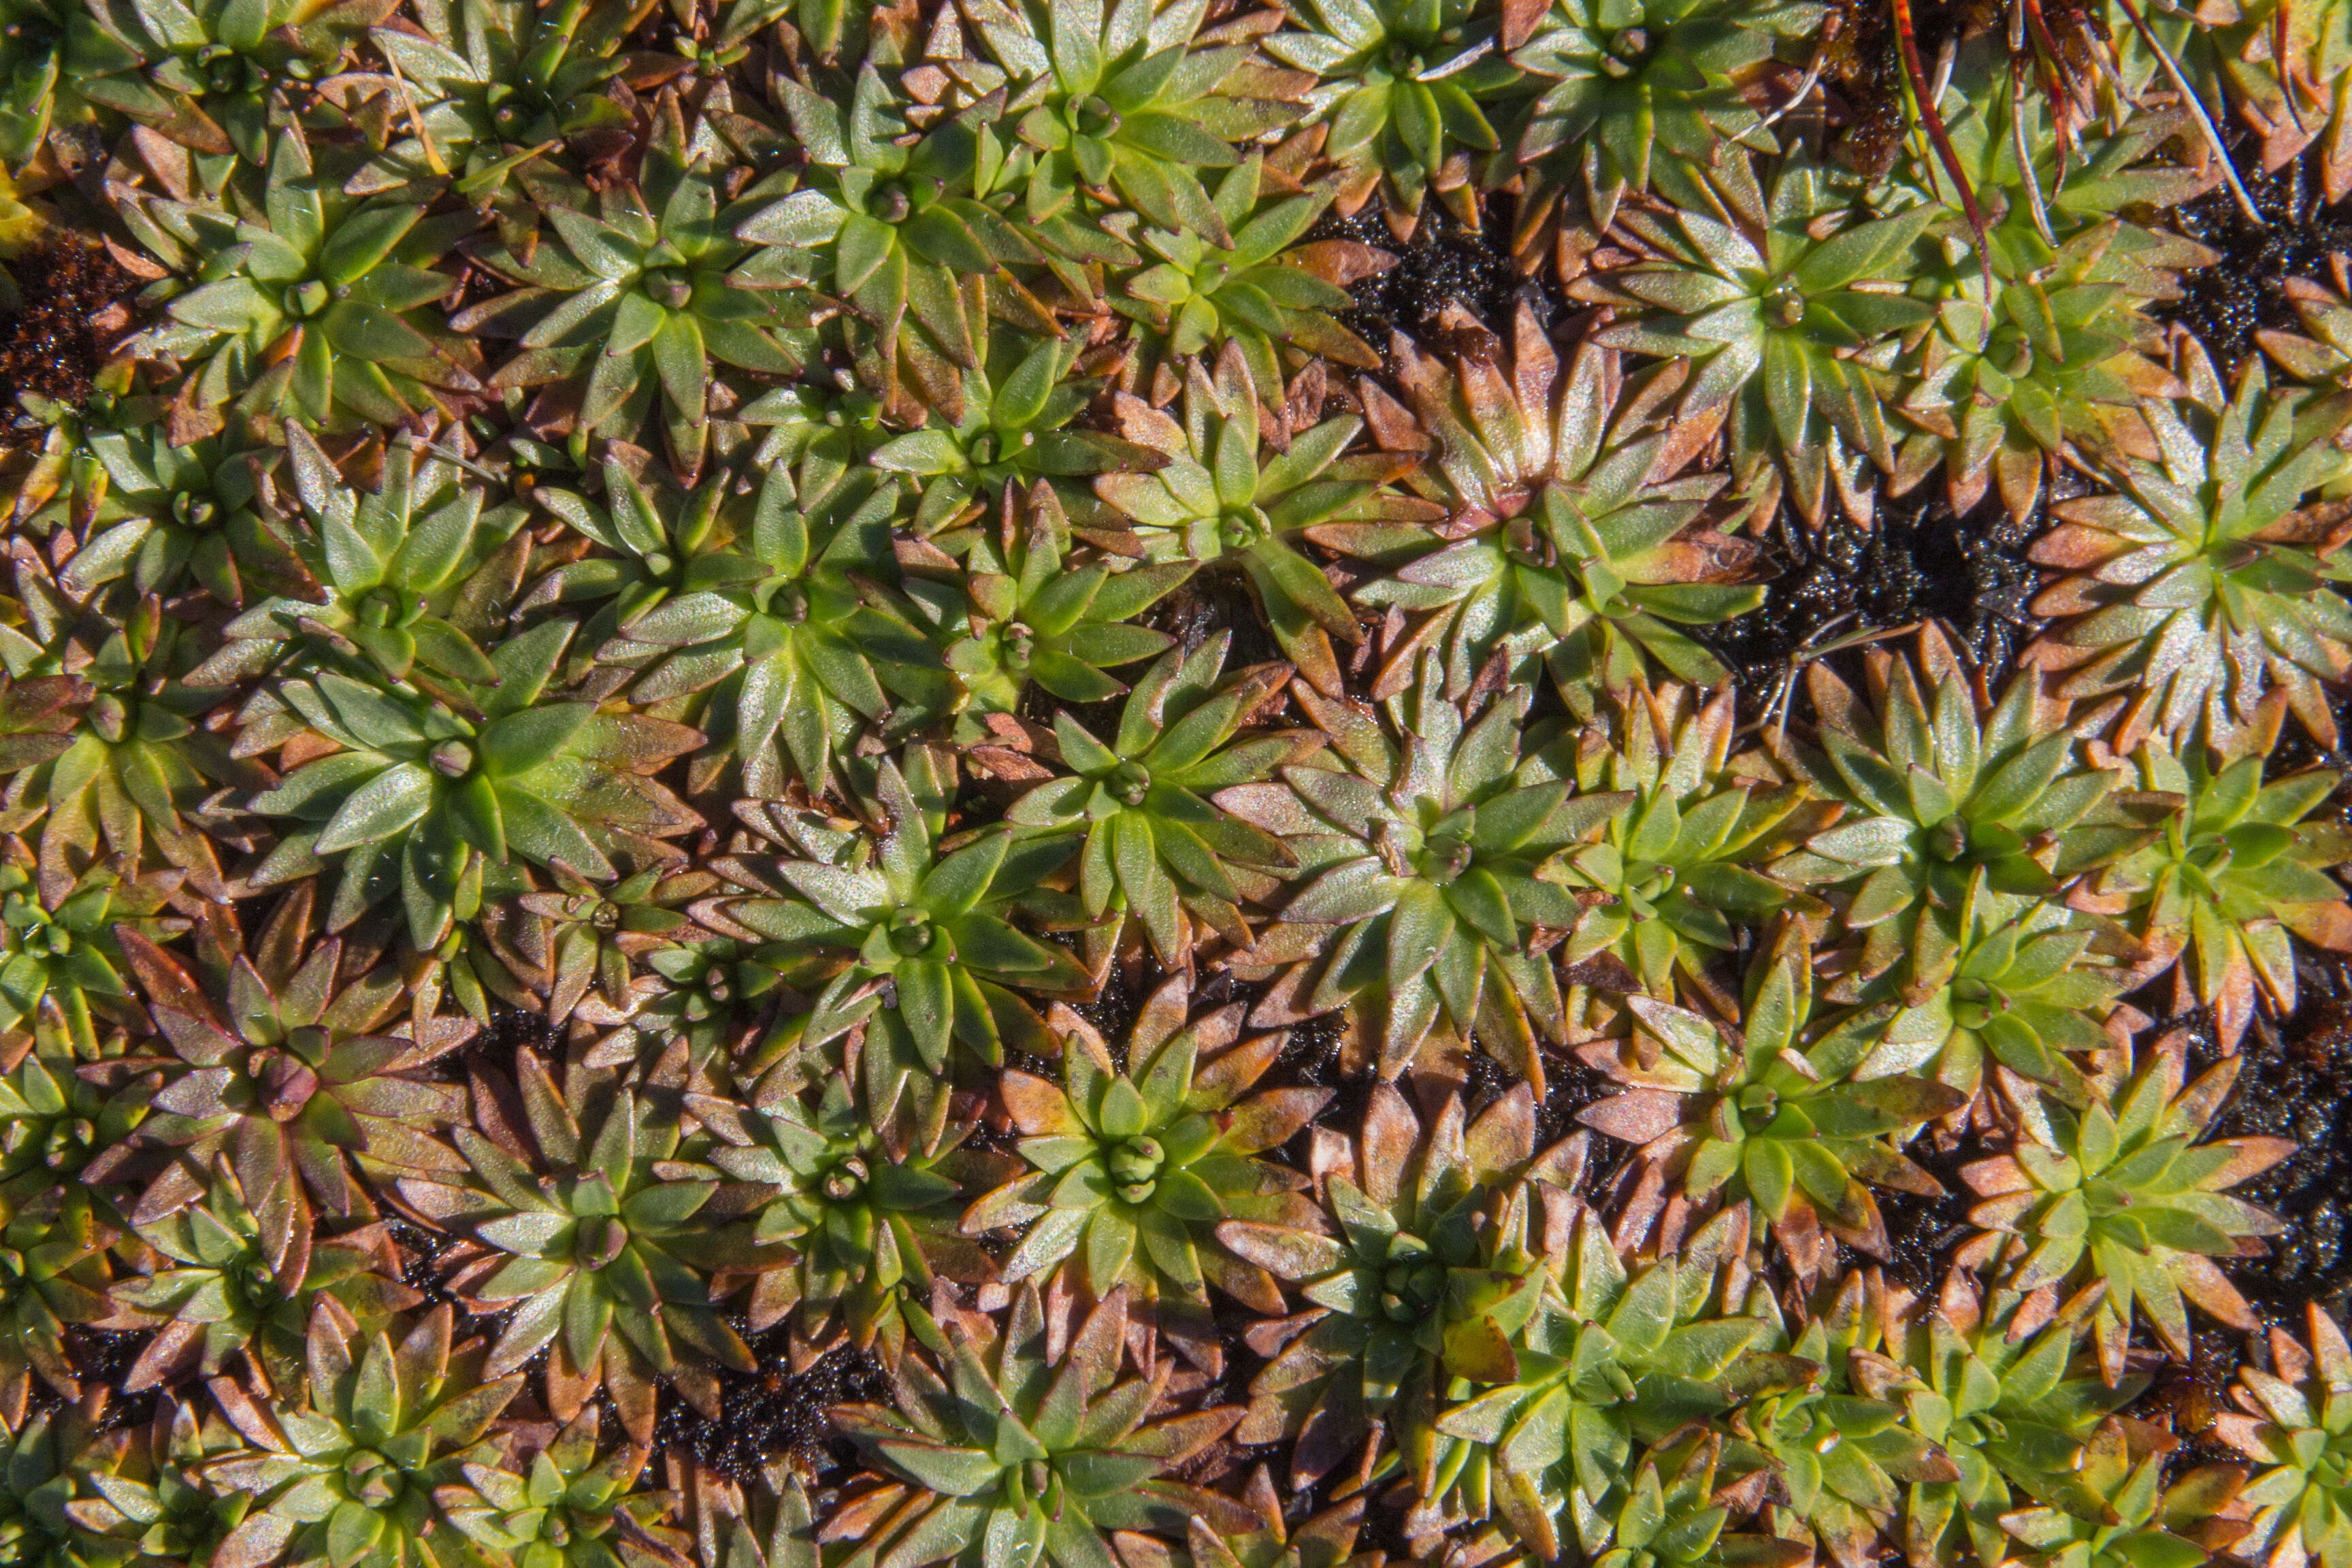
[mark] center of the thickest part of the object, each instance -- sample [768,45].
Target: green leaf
[950,1472]
[351,1531]
[1770,1173]
[363,239]
[1419,928]
[1865,250]
[443,647]
[685,371]
[1022,398]
[599,246]
[393,800]
[521,742]
[545,834]
[863,246]
[956,885]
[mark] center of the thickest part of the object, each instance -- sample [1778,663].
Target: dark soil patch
[103,1356]
[2186,1396]
[50,346]
[511,1030]
[1570,1089]
[1311,1057]
[1446,263]
[1384,1531]
[1922,1231]
[1113,1010]
[1864,75]
[1919,562]
[1217,599]
[2297,748]
[2297,1083]
[772,1413]
[2225,304]
[986,1136]
[423,1270]
[420,1253]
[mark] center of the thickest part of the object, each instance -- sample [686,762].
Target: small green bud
[371,1478]
[1444,860]
[255,1284]
[1130,781]
[911,934]
[846,1180]
[108,717]
[1244,527]
[1137,1160]
[284,1081]
[598,1240]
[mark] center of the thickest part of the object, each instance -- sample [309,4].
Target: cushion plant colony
[722,707]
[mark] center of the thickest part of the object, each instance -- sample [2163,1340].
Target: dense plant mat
[785,785]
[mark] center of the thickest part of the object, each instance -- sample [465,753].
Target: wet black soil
[773,1413]
[1218,598]
[511,1030]
[2298,750]
[2226,304]
[1569,1087]
[101,1356]
[1922,1231]
[50,346]
[1919,562]
[1447,263]
[1311,1056]
[2297,1083]
[422,1269]
[2185,1397]
[1112,1010]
